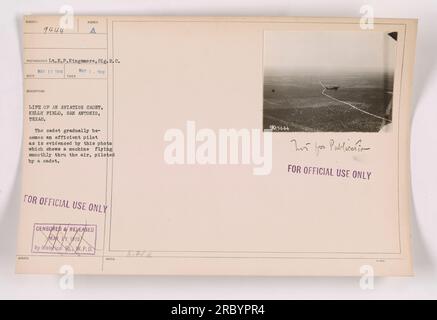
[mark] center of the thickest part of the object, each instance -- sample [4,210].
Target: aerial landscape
[328,90]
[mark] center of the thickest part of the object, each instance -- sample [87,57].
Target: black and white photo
[328,81]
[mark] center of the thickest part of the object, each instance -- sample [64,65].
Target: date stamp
[65,239]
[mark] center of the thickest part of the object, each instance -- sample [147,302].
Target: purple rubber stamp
[66,239]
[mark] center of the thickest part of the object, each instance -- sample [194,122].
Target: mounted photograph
[328,81]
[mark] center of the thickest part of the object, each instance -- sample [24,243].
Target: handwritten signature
[331,146]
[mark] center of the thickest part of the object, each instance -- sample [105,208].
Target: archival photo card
[148,146]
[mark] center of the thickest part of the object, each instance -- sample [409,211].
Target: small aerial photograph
[328,81]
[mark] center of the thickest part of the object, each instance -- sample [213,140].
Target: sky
[371,51]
